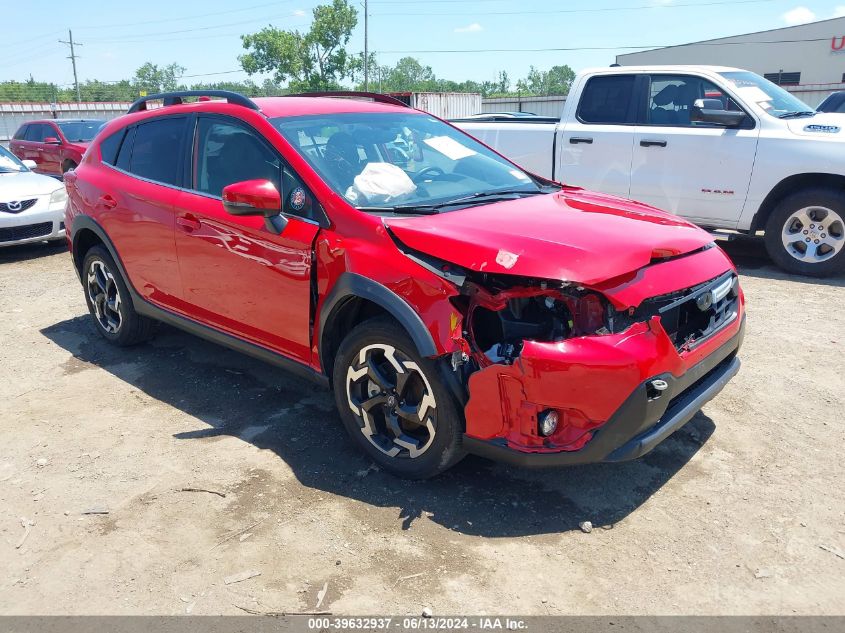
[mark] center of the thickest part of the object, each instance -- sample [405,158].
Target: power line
[602,48]
[591,10]
[188,17]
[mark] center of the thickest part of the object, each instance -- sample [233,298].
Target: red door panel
[139,218]
[244,279]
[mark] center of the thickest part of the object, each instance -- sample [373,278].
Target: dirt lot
[740,512]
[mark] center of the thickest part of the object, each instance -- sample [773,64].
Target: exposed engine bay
[501,314]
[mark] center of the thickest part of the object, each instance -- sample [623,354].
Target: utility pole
[72,59]
[366,50]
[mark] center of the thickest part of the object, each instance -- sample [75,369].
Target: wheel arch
[355,298]
[791,185]
[85,233]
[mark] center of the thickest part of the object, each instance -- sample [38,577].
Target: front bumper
[32,226]
[641,422]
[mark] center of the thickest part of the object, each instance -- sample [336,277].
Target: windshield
[773,99]
[80,131]
[9,162]
[384,161]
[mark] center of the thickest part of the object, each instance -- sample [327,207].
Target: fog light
[547,422]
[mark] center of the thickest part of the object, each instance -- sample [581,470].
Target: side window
[607,100]
[125,151]
[109,147]
[35,132]
[671,98]
[226,153]
[49,131]
[157,150]
[21,133]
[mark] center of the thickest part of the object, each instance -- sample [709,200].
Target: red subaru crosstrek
[454,302]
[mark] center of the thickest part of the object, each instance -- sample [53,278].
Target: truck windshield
[382,161]
[773,99]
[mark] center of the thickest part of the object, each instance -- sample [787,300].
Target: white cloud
[839,11]
[475,27]
[299,13]
[798,15]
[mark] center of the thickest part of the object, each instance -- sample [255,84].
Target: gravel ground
[740,512]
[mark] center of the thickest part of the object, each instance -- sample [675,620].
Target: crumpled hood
[23,185]
[574,235]
[824,125]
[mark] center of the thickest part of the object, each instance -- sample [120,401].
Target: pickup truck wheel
[806,233]
[392,403]
[68,165]
[109,302]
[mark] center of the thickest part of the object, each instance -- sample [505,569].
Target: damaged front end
[549,365]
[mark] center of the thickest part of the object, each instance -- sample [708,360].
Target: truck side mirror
[712,111]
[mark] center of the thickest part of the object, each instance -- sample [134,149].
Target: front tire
[805,234]
[109,301]
[393,403]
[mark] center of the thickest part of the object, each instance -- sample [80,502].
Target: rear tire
[393,403]
[805,234]
[110,303]
[68,165]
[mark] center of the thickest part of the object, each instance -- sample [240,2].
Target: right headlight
[59,196]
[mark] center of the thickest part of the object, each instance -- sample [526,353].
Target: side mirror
[256,197]
[29,164]
[712,111]
[52,140]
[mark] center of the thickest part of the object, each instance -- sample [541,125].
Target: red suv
[454,302]
[56,146]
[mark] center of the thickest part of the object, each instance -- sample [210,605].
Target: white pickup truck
[722,147]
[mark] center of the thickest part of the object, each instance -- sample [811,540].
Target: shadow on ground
[35,250]
[236,396]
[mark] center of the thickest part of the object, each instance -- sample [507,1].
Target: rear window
[109,147]
[20,133]
[607,100]
[157,150]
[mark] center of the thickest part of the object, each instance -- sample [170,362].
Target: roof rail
[174,98]
[352,94]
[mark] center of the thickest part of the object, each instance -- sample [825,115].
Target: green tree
[410,75]
[153,79]
[316,60]
[556,81]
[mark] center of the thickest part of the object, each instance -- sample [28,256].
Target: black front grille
[689,316]
[15,233]
[22,205]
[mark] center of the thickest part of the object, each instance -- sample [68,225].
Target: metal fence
[12,115]
[544,106]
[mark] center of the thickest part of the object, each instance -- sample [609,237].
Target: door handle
[188,223]
[574,140]
[648,143]
[108,202]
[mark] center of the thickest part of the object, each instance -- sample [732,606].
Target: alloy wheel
[392,400]
[813,234]
[104,296]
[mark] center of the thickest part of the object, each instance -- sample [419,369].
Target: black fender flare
[353,285]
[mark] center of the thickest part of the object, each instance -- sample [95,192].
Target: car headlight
[59,196]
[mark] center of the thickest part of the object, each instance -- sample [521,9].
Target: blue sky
[202,35]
